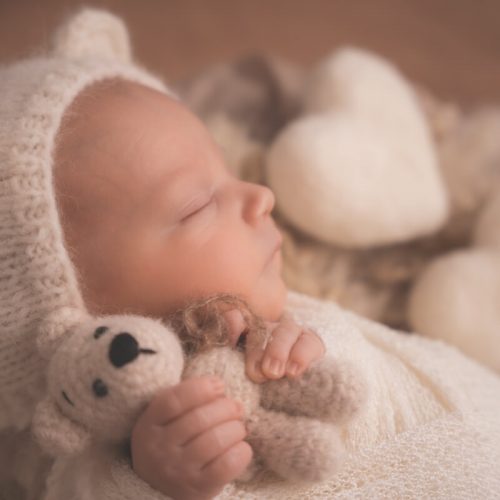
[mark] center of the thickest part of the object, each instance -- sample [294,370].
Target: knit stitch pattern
[36,274]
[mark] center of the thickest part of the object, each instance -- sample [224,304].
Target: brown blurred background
[450,46]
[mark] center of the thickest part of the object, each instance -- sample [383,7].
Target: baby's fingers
[308,348]
[269,361]
[253,358]
[236,325]
[173,401]
[226,467]
[200,419]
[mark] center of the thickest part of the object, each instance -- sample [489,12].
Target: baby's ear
[55,433]
[92,32]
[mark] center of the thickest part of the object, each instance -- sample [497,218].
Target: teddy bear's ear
[52,329]
[55,433]
[92,32]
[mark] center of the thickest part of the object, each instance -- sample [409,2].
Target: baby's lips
[236,325]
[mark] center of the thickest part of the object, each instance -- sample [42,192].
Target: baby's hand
[288,351]
[188,443]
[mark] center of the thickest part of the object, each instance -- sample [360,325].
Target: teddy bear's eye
[99,331]
[99,387]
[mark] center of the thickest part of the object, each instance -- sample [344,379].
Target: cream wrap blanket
[431,428]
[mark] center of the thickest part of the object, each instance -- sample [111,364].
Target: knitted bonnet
[38,282]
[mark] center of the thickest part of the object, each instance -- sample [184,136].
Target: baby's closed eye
[197,207]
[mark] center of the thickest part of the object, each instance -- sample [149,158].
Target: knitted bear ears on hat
[92,32]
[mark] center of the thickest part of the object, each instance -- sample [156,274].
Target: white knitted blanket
[431,428]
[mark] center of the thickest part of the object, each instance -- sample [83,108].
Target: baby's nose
[123,349]
[260,201]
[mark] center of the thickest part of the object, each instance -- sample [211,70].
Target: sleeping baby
[115,199]
[154,220]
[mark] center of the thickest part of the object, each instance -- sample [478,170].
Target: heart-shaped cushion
[364,171]
[457,297]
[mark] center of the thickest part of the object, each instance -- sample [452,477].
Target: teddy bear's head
[101,375]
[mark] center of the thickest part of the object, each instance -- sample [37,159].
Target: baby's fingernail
[272,366]
[255,373]
[292,369]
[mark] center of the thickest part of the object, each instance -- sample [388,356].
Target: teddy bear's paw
[456,299]
[330,390]
[362,170]
[345,391]
[335,390]
[297,448]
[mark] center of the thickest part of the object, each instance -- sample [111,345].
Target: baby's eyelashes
[195,210]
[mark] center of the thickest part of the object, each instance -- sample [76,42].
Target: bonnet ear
[92,33]
[55,433]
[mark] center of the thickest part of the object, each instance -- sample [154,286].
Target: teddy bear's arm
[331,390]
[295,447]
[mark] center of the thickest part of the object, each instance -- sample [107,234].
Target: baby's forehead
[131,139]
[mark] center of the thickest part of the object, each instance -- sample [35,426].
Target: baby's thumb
[236,325]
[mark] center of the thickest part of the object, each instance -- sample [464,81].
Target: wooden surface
[451,46]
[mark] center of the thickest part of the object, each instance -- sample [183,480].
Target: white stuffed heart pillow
[457,297]
[359,169]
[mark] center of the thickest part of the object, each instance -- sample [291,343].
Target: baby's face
[151,215]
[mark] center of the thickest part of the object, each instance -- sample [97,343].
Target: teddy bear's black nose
[123,349]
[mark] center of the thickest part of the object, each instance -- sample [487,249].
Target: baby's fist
[188,443]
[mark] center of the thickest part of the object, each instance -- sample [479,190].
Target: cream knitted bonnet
[37,278]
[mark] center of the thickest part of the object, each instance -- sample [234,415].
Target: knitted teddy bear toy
[104,371]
